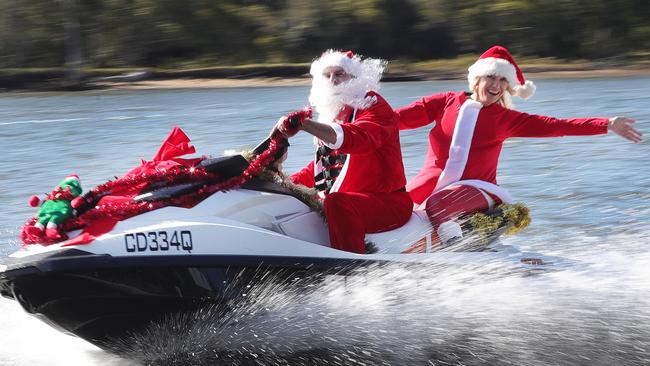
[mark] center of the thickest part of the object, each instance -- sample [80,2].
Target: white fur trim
[483,187]
[461,142]
[318,168]
[339,135]
[366,72]
[459,151]
[525,91]
[72,177]
[344,171]
[449,230]
[493,66]
[488,198]
[352,65]
[496,190]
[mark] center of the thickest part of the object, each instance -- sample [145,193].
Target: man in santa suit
[459,172]
[357,168]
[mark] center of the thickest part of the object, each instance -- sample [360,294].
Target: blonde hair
[506,98]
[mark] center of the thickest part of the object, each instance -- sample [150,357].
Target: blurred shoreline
[267,76]
[188,83]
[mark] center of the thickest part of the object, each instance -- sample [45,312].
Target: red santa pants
[456,201]
[350,215]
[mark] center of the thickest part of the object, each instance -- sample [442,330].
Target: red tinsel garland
[60,194]
[176,175]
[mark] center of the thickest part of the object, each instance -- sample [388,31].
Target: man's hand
[282,126]
[622,126]
[278,163]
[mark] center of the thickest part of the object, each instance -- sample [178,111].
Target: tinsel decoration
[123,209]
[515,216]
[249,155]
[307,195]
[291,125]
[129,208]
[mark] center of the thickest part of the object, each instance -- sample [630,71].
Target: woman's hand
[622,126]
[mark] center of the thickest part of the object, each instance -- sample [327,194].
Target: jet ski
[103,285]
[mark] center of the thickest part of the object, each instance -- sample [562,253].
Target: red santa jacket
[494,125]
[374,161]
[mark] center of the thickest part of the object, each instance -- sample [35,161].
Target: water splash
[593,314]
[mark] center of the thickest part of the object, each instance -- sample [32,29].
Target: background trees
[171,33]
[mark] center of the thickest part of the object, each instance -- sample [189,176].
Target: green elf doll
[56,208]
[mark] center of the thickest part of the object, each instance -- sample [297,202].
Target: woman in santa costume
[357,168]
[459,172]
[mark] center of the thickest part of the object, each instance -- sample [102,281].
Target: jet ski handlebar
[293,122]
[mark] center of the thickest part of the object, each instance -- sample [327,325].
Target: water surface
[589,199]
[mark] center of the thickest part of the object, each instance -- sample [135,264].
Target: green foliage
[165,33]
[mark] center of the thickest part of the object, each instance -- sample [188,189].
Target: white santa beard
[329,99]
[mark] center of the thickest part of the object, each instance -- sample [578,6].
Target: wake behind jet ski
[197,231]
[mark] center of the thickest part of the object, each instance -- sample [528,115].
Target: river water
[589,199]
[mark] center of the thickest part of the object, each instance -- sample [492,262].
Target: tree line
[173,33]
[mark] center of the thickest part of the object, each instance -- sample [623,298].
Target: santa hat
[498,61]
[71,177]
[350,62]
